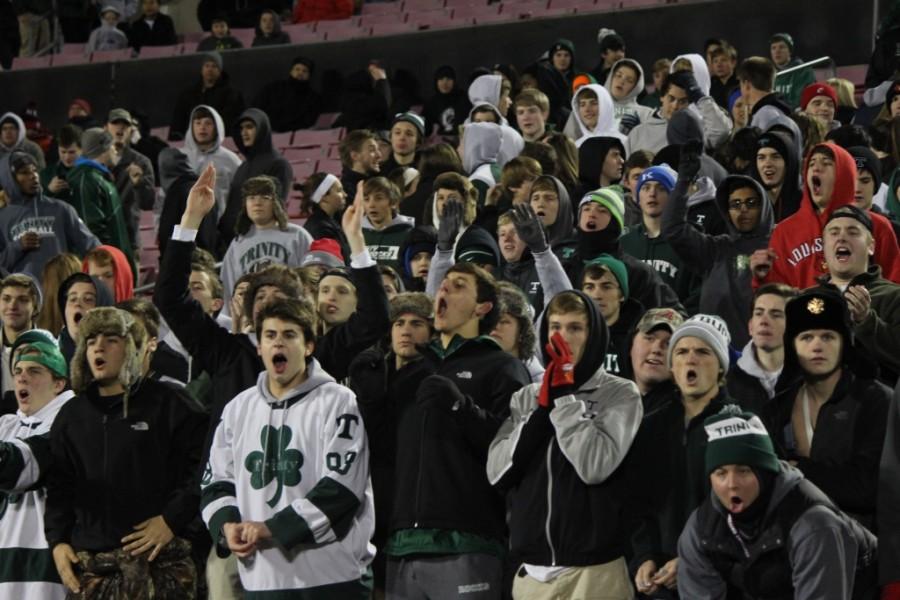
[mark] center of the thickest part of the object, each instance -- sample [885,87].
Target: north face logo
[274,462]
[464,375]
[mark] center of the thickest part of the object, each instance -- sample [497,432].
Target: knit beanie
[733,98]
[562,44]
[411,118]
[783,37]
[95,141]
[611,200]
[19,160]
[38,345]
[817,89]
[709,328]
[214,57]
[662,174]
[324,252]
[738,438]
[616,267]
[416,303]
[867,161]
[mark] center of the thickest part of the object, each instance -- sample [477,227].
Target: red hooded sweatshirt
[124,282]
[797,240]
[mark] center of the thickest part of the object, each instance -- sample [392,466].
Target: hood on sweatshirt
[563,229]
[631,97]
[486,90]
[13,117]
[701,71]
[481,145]
[103,293]
[477,238]
[123,285]
[190,144]
[770,118]
[263,142]
[591,155]
[783,143]
[594,355]
[511,145]
[844,182]
[422,238]
[315,377]
[606,117]
[8,181]
[173,165]
[766,217]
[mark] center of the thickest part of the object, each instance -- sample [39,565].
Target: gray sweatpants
[463,576]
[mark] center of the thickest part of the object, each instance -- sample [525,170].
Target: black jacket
[365,104]
[746,388]
[227,101]
[441,480]
[261,159]
[666,468]
[161,34]
[178,178]
[291,104]
[111,472]
[523,274]
[349,179]
[846,448]
[320,225]
[620,335]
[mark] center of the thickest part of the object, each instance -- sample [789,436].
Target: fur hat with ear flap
[108,321]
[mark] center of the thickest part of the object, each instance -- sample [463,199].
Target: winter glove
[628,122]
[686,81]
[543,398]
[562,369]
[450,224]
[441,392]
[529,227]
[689,161]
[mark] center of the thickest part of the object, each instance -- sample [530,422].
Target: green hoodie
[97,202]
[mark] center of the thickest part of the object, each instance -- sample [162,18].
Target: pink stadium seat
[111,55]
[495,17]
[282,140]
[303,169]
[525,10]
[630,4]
[35,62]
[147,237]
[481,3]
[160,132]
[159,51]
[334,151]
[229,143]
[325,120]
[435,19]
[73,49]
[557,6]
[383,19]
[193,36]
[393,28]
[417,5]
[189,47]
[469,12]
[330,165]
[345,33]
[381,8]
[303,33]
[312,153]
[856,74]
[147,220]
[244,34]
[316,137]
[64,60]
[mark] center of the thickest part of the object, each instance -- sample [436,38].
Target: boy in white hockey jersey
[287,485]
[40,376]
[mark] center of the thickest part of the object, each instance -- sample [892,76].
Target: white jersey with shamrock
[301,465]
[27,571]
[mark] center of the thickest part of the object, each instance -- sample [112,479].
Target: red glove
[562,360]
[543,398]
[891,591]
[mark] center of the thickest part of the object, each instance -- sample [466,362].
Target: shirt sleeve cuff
[180,234]
[363,260]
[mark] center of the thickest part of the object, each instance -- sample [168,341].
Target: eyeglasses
[749,204]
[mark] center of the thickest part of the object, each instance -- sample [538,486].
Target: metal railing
[809,63]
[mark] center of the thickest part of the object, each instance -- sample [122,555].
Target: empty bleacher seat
[65,60]
[330,165]
[282,140]
[32,62]
[393,28]
[245,35]
[316,137]
[160,51]
[111,55]
[303,154]
[303,169]
[381,8]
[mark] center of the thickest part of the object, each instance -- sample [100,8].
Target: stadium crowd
[555,333]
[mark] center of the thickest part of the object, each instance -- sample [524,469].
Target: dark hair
[759,72]
[293,310]
[21,280]
[566,158]
[203,257]
[485,291]
[261,185]
[216,290]
[278,276]
[393,274]
[384,186]
[847,136]
[68,135]
[354,143]
[782,290]
[437,159]
[639,159]
[544,153]
[144,311]
[201,112]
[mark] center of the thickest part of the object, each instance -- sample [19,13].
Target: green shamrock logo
[274,462]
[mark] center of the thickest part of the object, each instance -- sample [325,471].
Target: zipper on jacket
[106,498]
[419,472]
[550,506]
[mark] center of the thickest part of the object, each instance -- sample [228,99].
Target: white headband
[323,188]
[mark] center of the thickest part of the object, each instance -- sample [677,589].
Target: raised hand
[689,161]
[450,224]
[201,199]
[529,227]
[351,222]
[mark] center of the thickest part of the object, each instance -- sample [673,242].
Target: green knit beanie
[38,345]
[616,267]
[611,199]
[738,438]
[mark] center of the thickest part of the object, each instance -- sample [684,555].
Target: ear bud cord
[807,421]
[737,535]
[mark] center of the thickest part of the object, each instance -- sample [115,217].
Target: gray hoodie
[822,546]
[225,161]
[481,146]
[23,144]
[629,104]
[55,221]
[606,126]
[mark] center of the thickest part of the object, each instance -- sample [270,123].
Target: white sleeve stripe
[213,507]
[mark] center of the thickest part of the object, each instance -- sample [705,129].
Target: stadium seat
[467,13]
[393,28]
[159,51]
[111,55]
[65,60]
[34,62]
[303,154]
[557,6]
[381,8]
[302,169]
[382,19]
[325,120]
[330,165]
[434,19]
[245,35]
[316,137]
[525,10]
[303,33]
[417,5]
[160,132]
[72,49]
[189,47]
[282,140]
[228,143]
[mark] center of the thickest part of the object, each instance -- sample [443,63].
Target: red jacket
[797,240]
[322,10]
[124,281]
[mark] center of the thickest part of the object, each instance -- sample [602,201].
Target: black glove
[686,81]
[689,161]
[450,224]
[628,122]
[441,392]
[529,227]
